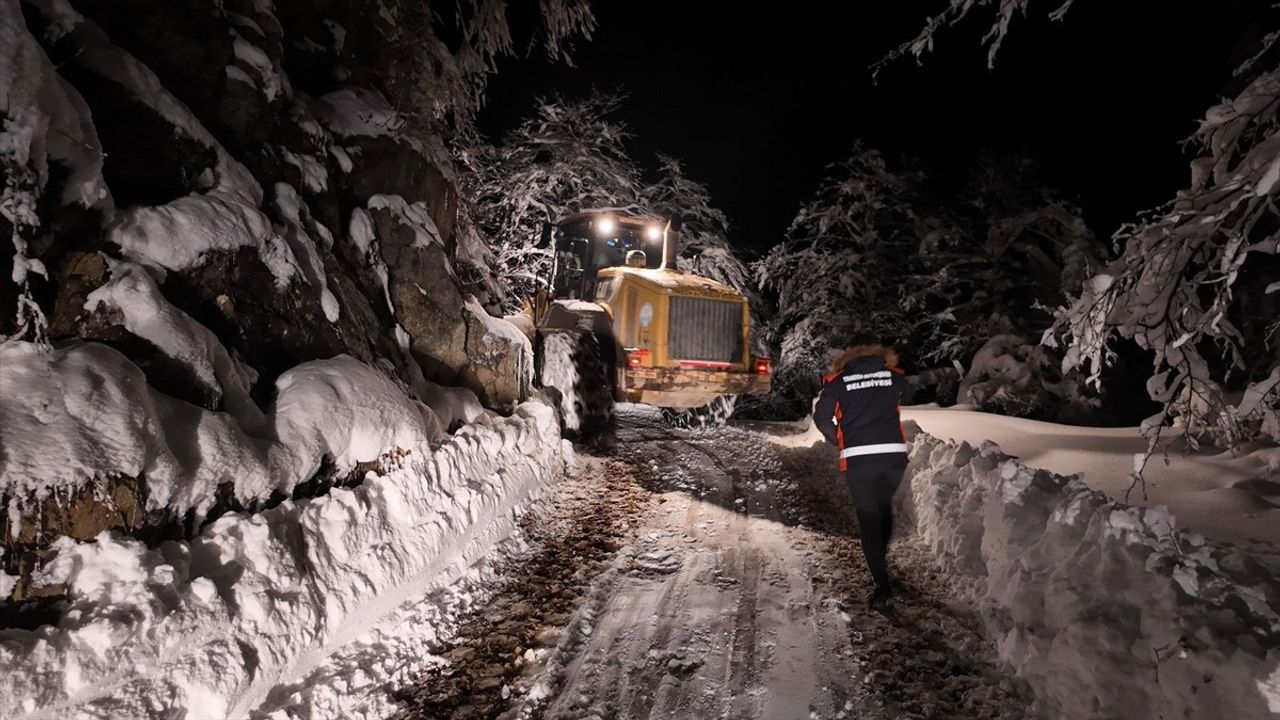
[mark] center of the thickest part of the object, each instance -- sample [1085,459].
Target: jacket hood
[880,354]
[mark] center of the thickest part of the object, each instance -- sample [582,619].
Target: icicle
[30,321]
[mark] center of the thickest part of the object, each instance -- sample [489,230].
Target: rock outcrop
[220,192]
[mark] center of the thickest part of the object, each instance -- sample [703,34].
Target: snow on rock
[178,234]
[84,412]
[313,173]
[343,410]
[270,81]
[453,406]
[413,215]
[357,112]
[230,178]
[218,626]
[500,357]
[302,247]
[1108,610]
[360,230]
[44,119]
[132,298]
[223,216]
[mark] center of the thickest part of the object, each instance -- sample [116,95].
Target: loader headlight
[653,232]
[605,226]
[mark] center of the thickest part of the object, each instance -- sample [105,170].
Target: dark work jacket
[858,411]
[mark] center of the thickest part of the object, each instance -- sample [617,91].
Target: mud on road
[711,574]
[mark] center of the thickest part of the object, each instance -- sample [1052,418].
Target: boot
[881,598]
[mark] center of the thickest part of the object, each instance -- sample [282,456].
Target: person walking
[857,412]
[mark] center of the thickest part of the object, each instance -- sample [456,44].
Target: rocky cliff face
[220,191]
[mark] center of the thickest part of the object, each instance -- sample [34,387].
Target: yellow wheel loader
[616,321]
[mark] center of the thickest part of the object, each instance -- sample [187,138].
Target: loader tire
[571,364]
[712,415]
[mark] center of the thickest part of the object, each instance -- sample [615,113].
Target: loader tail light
[762,365]
[636,356]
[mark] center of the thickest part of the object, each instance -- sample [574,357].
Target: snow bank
[1108,610]
[84,412]
[253,604]
[1220,495]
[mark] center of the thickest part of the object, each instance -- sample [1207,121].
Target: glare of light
[653,232]
[605,226]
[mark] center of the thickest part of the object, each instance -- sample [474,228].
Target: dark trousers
[872,482]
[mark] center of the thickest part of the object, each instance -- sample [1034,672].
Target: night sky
[757,98]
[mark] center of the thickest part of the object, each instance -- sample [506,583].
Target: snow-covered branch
[957,10]
[1189,274]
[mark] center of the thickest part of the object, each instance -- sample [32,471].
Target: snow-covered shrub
[1012,376]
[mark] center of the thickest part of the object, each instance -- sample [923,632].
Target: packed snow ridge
[211,626]
[1108,610]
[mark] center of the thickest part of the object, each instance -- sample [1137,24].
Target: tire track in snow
[733,591]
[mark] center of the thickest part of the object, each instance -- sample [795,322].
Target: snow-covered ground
[709,574]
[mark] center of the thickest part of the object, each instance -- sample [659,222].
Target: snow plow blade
[688,387]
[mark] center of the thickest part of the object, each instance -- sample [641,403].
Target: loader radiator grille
[707,330]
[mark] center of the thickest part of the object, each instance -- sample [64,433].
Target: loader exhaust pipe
[671,243]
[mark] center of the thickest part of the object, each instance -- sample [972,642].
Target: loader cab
[589,242]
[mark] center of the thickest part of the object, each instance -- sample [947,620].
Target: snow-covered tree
[704,232]
[837,273]
[1016,250]
[1195,281]
[567,158]
[1004,11]
[876,253]
[1192,281]
[571,157]
[445,52]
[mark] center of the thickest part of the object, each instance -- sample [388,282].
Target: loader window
[613,252]
[604,288]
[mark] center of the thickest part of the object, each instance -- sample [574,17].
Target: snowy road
[706,575]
